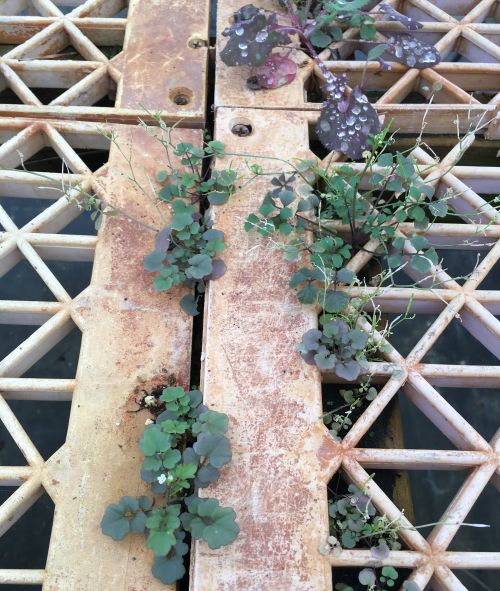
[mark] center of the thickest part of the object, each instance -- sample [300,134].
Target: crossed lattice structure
[464,31]
[100,60]
[108,307]
[468,45]
[40,239]
[49,40]
[452,301]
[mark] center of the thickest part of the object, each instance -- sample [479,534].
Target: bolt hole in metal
[197,43]
[181,96]
[241,128]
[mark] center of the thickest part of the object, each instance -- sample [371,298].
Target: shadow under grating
[45,422]
[25,544]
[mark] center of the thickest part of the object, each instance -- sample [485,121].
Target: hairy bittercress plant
[185,449]
[187,249]
[354,523]
[327,215]
[339,419]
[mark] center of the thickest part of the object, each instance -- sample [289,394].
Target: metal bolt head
[181,99]
[241,129]
[196,43]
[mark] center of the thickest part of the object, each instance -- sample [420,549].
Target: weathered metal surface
[162,66]
[282,456]
[133,339]
[275,482]
[469,87]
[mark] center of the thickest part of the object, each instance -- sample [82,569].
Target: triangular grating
[45,422]
[74,276]
[45,160]
[460,265]
[46,94]
[402,425]
[484,511]
[25,544]
[105,9]
[482,580]
[407,333]
[480,407]
[7,95]
[36,154]
[13,335]
[24,8]
[431,492]
[61,362]
[22,210]
[10,455]
[22,282]
[66,53]
[457,346]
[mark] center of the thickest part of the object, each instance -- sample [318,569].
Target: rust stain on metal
[159,68]
[157,41]
[281,451]
[252,326]
[133,337]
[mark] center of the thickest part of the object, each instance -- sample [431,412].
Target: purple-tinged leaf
[310,339]
[308,357]
[380,552]
[345,125]
[336,328]
[394,15]
[218,269]
[324,359]
[349,370]
[385,66]
[364,504]
[407,50]
[162,241]
[276,71]
[251,37]
[336,86]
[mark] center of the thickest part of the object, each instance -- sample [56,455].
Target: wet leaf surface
[394,15]
[276,71]
[251,37]
[404,48]
[346,124]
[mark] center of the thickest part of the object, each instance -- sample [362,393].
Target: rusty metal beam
[162,66]
[133,339]
[283,457]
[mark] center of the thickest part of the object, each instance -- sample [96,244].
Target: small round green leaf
[168,570]
[367,577]
[211,422]
[114,523]
[160,542]
[335,301]
[214,447]
[153,440]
